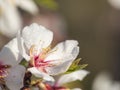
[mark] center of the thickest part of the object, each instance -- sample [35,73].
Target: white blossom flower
[34,44]
[10,71]
[10,20]
[104,82]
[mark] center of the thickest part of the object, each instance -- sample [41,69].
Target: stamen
[53,51]
[44,52]
[31,50]
[3,70]
[39,60]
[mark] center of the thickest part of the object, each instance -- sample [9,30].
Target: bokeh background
[94,23]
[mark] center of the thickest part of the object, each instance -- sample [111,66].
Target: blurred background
[94,23]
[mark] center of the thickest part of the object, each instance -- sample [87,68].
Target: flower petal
[77,75]
[58,69]
[62,55]
[36,35]
[10,54]
[21,47]
[27,5]
[39,74]
[68,49]
[14,80]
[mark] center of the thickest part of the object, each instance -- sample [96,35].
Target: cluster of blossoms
[30,63]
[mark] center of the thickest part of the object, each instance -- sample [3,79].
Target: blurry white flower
[34,44]
[115,3]
[10,71]
[66,78]
[104,82]
[10,20]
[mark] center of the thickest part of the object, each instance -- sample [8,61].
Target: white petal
[27,5]
[39,74]
[68,49]
[77,75]
[37,35]
[10,21]
[10,54]
[14,80]
[62,55]
[56,70]
[22,48]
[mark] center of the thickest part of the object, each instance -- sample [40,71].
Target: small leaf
[82,66]
[76,62]
[75,66]
[24,63]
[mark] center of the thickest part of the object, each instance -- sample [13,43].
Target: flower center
[40,63]
[39,60]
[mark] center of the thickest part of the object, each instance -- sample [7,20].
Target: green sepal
[50,4]
[75,66]
[24,63]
